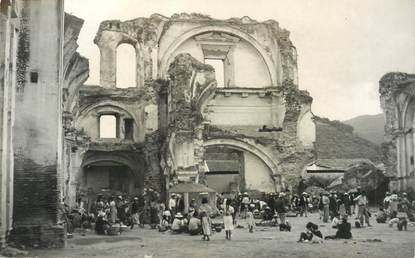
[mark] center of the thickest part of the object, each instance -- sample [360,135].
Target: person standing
[280,207]
[113,210]
[326,209]
[347,204]
[172,205]
[362,212]
[245,203]
[333,205]
[228,219]
[134,213]
[205,212]
[303,203]
[250,219]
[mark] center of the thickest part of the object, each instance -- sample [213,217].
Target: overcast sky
[344,46]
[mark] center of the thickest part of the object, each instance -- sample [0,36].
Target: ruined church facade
[251,130]
[246,128]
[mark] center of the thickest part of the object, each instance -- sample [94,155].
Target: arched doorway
[108,176]
[115,172]
[237,166]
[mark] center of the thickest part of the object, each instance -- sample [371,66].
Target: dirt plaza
[377,241]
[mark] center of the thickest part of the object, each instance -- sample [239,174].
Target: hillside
[336,140]
[369,127]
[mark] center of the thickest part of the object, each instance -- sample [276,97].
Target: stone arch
[93,157]
[108,43]
[126,76]
[89,112]
[167,56]
[243,146]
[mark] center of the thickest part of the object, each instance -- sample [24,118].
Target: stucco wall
[235,110]
[249,69]
[257,174]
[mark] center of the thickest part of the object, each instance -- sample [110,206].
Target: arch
[167,57]
[93,157]
[243,146]
[126,66]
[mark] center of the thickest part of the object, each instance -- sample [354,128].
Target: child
[228,220]
[250,218]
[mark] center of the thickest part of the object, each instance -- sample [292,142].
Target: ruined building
[214,102]
[397,96]
[249,130]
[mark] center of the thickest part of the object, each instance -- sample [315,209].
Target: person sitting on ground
[336,221]
[195,225]
[401,221]
[311,229]
[177,225]
[381,216]
[285,226]
[102,225]
[343,230]
[164,224]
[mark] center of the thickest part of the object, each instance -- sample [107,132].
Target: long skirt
[228,222]
[206,227]
[326,213]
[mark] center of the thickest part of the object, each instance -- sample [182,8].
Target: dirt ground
[376,241]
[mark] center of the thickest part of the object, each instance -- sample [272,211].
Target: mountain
[369,127]
[337,140]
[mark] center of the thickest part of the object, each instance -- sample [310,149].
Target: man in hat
[172,204]
[386,200]
[363,203]
[280,207]
[178,224]
[303,203]
[326,209]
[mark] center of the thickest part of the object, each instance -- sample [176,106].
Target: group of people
[272,208]
[396,209]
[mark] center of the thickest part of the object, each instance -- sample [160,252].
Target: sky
[344,46]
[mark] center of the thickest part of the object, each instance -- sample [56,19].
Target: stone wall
[38,127]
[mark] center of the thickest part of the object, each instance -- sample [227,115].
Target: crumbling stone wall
[397,94]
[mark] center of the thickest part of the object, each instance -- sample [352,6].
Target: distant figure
[326,209]
[343,230]
[310,231]
[205,212]
[228,220]
[301,186]
[195,226]
[363,213]
[250,219]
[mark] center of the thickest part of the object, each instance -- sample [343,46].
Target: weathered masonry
[397,96]
[31,80]
[213,101]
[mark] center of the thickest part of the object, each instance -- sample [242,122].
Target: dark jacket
[279,205]
[343,230]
